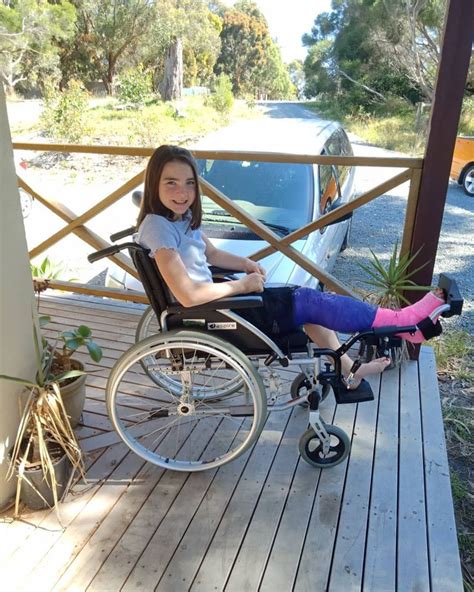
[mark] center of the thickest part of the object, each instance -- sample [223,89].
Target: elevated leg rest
[429,329]
[452,294]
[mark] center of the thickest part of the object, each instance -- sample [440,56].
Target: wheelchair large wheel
[185,431]
[311,448]
[148,326]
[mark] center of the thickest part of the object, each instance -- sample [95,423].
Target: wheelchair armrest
[219,274]
[235,303]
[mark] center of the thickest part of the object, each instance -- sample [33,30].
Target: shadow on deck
[381,520]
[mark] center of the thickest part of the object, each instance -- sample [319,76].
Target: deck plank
[412,550]
[348,559]
[380,521]
[316,554]
[222,553]
[381,548]
[253,555]
[443,550]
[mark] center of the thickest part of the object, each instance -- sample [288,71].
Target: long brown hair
[151,203]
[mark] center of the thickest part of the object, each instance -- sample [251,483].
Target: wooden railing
[77,224]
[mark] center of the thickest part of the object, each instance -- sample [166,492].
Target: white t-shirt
[156,232]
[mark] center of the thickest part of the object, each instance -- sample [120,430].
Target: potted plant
[45,454]
[73,388]
[387,286]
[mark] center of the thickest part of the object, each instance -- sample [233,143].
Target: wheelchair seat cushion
[276,317]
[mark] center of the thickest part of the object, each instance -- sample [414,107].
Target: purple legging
[341,313]
[333,311]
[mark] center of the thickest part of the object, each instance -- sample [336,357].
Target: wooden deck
[382,520]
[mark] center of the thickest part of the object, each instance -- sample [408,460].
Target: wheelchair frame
[206,388]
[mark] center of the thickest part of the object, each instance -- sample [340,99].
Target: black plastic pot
[31,498]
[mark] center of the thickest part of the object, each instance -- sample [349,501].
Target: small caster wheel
[311,448]
[301,385]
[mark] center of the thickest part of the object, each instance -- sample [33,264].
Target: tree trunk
[171,87]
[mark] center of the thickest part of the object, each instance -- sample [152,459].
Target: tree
[296,72]
[111,29]
[191,25]
[272,80]
[245,42]
[369,49]
[29,33]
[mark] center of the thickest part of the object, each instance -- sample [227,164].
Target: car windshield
[278,194]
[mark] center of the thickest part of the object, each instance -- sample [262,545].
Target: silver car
[283,196]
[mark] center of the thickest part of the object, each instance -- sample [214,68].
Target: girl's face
[177,187]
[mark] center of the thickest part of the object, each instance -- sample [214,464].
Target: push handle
[108,251]
[122,233]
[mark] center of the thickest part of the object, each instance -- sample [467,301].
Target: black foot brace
[452,294]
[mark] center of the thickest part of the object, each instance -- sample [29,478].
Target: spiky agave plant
[44,428]
[392,280]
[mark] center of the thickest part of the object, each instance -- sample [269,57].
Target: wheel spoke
[192,410]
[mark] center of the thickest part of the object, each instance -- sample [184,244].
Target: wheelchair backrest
[152,280]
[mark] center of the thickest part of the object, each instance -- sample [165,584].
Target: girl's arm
[226,260]
[191,293]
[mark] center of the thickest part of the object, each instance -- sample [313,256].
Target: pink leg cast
[410,315]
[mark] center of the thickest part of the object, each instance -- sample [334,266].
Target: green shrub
[64,112]
[135,86]
[222,98]
[466,122]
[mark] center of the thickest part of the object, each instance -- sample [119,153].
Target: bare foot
[376,366]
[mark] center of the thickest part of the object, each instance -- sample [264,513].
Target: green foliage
[244,39]
[30,32]
[363,51]
[80,337]
[64,112]
[46,270]
[71,340]
[135,87]
[466,122]
[454,355]
[392,128]
[392,280]
[222,98]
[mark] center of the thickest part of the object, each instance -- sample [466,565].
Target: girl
[169,226]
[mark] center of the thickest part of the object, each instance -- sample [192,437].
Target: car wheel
[468,180]
[345,242]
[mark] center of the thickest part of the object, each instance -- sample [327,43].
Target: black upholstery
[206,315]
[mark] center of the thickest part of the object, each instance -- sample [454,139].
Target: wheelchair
[194,391]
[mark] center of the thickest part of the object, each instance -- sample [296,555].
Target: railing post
[412,204]
[455,55]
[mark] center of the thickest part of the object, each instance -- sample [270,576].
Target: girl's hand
[254,267]
[252,282]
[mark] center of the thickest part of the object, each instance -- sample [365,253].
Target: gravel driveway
[379,224]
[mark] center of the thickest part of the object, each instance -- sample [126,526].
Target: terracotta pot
[74,395]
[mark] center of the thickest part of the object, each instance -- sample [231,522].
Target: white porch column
[17,357]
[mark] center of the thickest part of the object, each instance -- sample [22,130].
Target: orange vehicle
[462,167]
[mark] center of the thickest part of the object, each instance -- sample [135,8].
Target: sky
[288,20]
